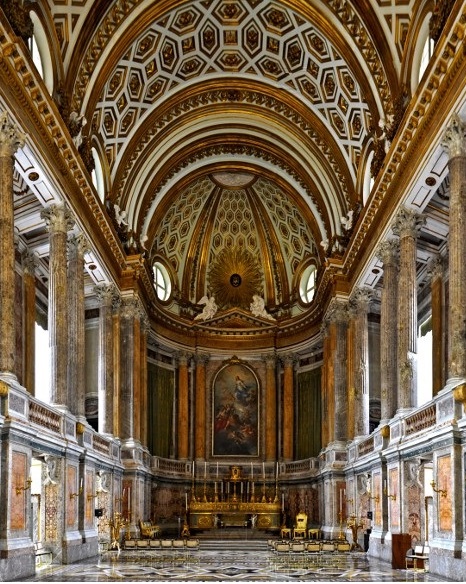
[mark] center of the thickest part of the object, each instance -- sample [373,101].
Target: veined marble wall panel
[18,478]
[445,503]
[394,504]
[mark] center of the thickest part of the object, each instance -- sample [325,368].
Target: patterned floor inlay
[228,566]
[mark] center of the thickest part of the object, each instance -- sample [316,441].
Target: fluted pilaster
[388,253]
[407,225]
[59,221]
[455,144]
[11,139]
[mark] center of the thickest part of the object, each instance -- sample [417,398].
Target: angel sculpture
[347,221]
[210,308]
[257,307]
[120,216]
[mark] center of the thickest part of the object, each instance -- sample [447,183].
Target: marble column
[77,247]
[288,407]
[59,221]
[455,144]
[183,406]
[129,312]
[359,308]
[200,407]
[10,140]
[436,270]
[338,329]
[29,315]
[137,389]
[105,294]
[407,225]
[270,407]
[388,253]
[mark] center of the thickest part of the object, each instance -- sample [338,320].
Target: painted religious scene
[235,412]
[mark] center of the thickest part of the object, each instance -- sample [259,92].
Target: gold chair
[148,530]
[300,530]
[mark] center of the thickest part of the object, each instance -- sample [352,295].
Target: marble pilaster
[327,385]
[11,139]
[270,408]
[145,328]
[454,143]
[29,310]
[388,252]
[288,407]
[200,407]
[59,221]
[183,405]
[436,270]
[105,294]
[77,247]
[407,225]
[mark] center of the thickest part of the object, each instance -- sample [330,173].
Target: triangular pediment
[237,319]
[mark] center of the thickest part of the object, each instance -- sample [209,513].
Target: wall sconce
[349,501]
[28,486]
[392,497]
[376,498]
[442,492]
[79,492]
[89,497]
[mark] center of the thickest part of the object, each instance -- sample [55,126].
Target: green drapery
[308,415]
[161,385]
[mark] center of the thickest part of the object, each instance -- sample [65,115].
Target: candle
[276,472]
[263,470]
[252,471]
[186,501]
[241,488]
[194,468]
[341,502]
[129,499]
[283,502]
[205,470]
[81,483]
[217,470]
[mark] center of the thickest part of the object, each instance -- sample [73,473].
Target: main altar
[235,502]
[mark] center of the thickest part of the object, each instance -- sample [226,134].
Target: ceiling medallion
[234,277]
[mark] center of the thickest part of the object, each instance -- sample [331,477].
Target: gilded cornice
[425,118]
[29,94]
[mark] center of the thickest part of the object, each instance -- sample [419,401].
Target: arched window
[98,175]
[426,56]
[368,179]
[40,52]
[307,285]
[422,54]
[162,282]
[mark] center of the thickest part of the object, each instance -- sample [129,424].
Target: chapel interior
[232,275]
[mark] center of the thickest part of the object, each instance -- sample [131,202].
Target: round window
[162,282]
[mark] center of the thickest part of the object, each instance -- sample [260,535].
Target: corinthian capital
[360,299]
[454,137]
[408,223]
[10,137]
[57,218]
[388,251]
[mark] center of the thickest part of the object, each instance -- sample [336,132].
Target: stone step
[234,544]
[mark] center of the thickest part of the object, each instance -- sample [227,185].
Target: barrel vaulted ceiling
[236,134]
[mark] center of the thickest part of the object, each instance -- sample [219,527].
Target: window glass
[162,282]
[307,286]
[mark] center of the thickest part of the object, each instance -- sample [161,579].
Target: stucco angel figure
[120,216]
[210,308]
[257,307]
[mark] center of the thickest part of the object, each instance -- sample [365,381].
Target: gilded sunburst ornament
[234,277]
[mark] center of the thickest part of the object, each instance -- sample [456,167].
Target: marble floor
[228,562]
